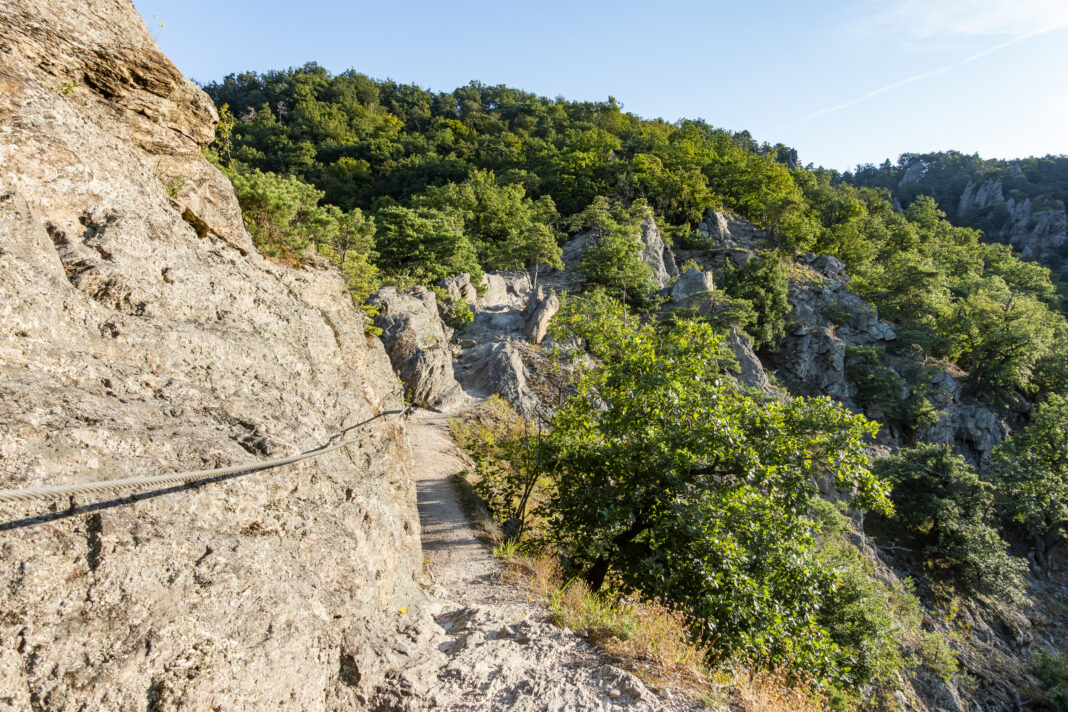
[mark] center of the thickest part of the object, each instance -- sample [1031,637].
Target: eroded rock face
[418,345]
[141,333]
[751,370]
[827,320]
[1038,233]
[656,253]
[540,310]
[460,287]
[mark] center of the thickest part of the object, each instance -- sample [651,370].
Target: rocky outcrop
[539,311]
[141,333]
[692,282]
[828,320]
[963,422]
[656,253]
[750,369]
[1037,233]
[418,345]
[493,356]
[460,287]
[496,367]
[982,196]
[714,227]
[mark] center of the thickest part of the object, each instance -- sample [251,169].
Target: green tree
[671,481]
[1031,472]
[762,283]
[509,230]
[946,513]
[424,244]
[614,260]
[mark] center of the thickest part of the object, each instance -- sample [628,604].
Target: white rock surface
[134,341]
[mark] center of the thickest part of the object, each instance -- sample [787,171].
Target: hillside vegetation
[660,474]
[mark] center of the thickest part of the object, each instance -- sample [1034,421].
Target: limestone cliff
[1038,228]
[141,333]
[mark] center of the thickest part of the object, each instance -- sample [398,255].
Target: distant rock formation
[1039,234]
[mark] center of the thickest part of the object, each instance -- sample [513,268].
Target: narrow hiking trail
[463,568]
[503,653]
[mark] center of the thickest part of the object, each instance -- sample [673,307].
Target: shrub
[1051,669]
[508,466]
[761,282]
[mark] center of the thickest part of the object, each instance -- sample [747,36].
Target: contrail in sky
[928,75]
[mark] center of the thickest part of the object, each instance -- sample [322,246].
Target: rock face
[963,422]
[656,253]
[418,345]
[140,333]
[460,287]
[1037,233]
[494,356]
[751,370]
[827,320]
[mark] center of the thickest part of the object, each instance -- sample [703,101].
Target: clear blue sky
[843,81]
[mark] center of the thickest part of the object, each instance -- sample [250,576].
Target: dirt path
[502,653]
[461,565]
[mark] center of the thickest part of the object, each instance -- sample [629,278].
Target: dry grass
[772,692]
[653,640]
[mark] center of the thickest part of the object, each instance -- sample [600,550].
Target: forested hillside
[664,476]
[1019,202]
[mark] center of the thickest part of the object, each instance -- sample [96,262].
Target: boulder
[691,283]
[460,287]
[496,290]
[418,345]
[537,321]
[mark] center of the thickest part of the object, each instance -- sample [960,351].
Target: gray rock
[1038,234]
[715,226]
[973,429]
[656,253]
[496,292]
[497,367]
[142,333]
[828,265]
[691,283]
[418,345]
[460,287]
[913,174]
[751,370]
[537,323]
